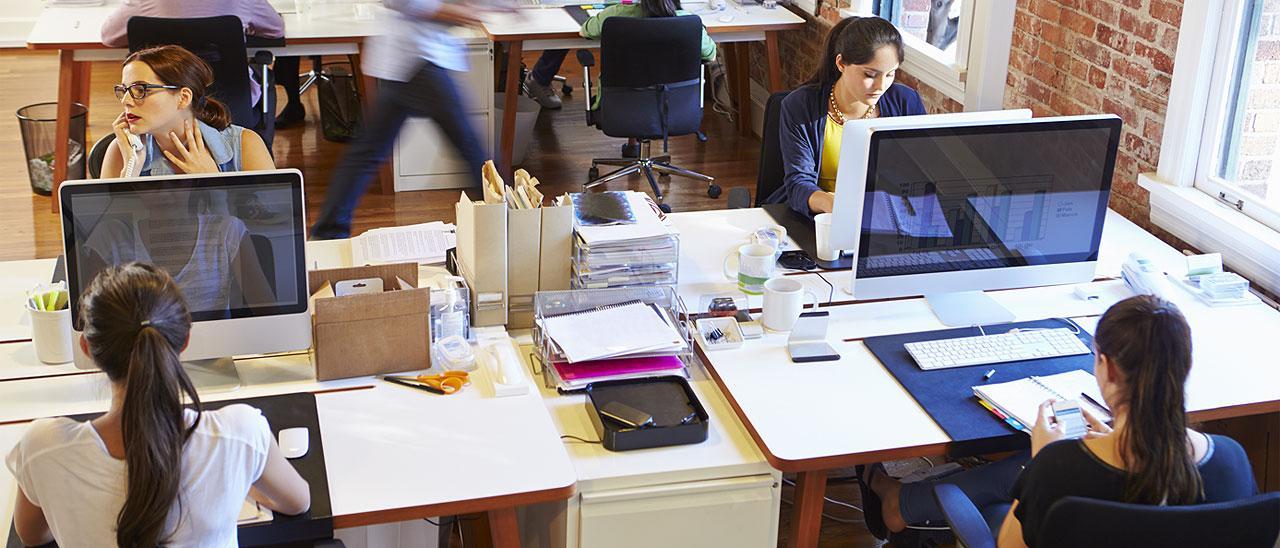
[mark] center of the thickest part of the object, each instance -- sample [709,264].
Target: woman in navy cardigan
[854,81]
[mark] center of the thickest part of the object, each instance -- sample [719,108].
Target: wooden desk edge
[46,46]
[498,37]
[454,508]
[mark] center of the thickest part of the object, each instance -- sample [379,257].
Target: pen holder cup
[51,335]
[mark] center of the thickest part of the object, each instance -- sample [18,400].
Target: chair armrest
[585,58]
[966,521]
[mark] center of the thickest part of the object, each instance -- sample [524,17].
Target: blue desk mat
[947,394]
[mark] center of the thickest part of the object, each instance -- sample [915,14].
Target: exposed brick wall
[1260,135]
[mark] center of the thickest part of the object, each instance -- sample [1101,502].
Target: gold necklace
[838,115]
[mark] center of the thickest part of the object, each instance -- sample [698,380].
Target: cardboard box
[371,334]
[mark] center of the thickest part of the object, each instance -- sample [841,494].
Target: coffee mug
[755,264]
[783,302]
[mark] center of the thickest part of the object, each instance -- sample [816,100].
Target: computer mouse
[725,18]
[294,442]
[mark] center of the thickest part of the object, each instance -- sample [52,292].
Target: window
[1241,141]
[959,47]
[1216,183]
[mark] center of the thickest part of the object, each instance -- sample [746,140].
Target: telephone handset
[135,143]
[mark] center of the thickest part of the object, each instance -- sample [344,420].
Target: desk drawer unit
[740,512]
[424,158]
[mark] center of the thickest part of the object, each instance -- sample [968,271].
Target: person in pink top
[258,17]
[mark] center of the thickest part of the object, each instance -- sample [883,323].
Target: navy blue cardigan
[801,126]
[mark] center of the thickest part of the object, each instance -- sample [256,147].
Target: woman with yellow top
[854,81]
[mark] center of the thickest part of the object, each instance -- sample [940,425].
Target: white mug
[783,303]
[51,335]
[756,263]
[822,237]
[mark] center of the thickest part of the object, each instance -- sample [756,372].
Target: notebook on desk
[1020,400]
[613,331]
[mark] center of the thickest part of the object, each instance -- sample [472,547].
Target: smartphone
[1068,414]
[626,415]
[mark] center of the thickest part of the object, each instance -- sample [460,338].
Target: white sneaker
[542,94]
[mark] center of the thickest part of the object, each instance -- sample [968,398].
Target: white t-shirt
[63,467]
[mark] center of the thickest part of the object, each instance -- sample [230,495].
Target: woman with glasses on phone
[179,128]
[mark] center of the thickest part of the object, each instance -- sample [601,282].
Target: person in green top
[539,79]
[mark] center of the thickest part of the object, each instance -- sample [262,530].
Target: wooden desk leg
[503,527]
[806,520]
[775,66]
[69,87]
[740,76]
[512,92]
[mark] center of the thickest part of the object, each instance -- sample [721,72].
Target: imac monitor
[949,211]
[234,243]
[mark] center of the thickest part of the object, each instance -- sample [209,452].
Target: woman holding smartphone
[1148,456]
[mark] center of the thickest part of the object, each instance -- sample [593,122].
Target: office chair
[97,154]
[1079,521]
[650,88]
[220,41]
[770,172]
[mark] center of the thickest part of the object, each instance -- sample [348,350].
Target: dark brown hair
[1149,342]
[176,66]
[136,323]
[856,40]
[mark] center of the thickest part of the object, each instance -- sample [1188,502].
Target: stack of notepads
[1018,402]
[621,240]
[629,340]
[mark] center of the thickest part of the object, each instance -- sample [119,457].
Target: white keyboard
[988,349]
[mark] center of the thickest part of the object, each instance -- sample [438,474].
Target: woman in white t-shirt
[148,472]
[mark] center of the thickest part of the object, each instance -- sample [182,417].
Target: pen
[1096,403]
[410,384]
[989,374]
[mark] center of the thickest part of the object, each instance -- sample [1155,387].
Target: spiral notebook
[613,331]
[916,216]
[1020,400]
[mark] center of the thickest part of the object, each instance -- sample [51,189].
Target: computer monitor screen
[234,244]
[946,199]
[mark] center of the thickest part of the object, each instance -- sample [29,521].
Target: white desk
[853,411]
[392,453]
[553,28]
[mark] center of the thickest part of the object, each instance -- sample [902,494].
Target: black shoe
[293,114]
[871,502]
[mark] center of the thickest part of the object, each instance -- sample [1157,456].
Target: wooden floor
[559,156]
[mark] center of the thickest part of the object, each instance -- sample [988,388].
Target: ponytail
[212,112]
[154,433]
[1149,342]
[856,40]
[136,324]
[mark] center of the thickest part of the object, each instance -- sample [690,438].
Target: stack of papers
[422,243]
[629,340]
[643,250]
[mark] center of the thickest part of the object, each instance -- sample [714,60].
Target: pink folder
[595,369]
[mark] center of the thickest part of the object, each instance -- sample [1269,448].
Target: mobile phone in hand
[1068,414]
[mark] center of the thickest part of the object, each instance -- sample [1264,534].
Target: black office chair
[651,88]
[99,153]
[220,41]
[770,172]
[1078,521]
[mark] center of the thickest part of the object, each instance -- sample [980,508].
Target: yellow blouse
[831,138]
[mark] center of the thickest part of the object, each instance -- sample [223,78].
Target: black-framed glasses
[140,90]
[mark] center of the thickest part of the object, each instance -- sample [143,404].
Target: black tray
[668,399]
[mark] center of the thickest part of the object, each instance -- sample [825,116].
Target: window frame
[976,79]
[1185,197]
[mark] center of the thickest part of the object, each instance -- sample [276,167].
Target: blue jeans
[431,93]
[548,65]
[988,487]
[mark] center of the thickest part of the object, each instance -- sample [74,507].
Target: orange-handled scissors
[449,381]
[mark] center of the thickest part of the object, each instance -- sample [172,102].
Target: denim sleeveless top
[224,147]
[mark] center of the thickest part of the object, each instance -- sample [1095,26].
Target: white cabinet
[424,158]
[739,512]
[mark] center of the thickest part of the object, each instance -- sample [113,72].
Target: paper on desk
[424,243]
[647,225]
[495,189]
[252,512]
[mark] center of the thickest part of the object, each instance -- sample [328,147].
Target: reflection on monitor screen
[946,199]
[230,248]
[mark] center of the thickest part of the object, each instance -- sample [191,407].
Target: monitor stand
[967,309]
[213,376]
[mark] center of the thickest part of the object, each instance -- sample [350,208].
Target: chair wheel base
[631,151]
[713,191]
[593,174]
[665,178]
